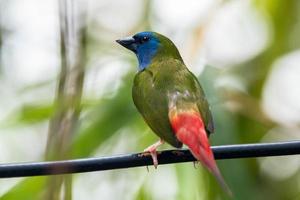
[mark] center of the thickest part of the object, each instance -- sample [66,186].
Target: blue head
[144,44]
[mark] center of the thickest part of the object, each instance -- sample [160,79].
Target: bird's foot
[195,164]
[152,150]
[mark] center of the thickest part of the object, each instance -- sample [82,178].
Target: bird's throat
[145,57]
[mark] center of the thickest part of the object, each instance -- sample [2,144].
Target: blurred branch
[68,98]
[246,105]
[140,159]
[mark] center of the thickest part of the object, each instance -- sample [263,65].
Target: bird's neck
[144,61]
[145,57]
[164,65]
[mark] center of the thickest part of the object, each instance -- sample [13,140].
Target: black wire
[138,159]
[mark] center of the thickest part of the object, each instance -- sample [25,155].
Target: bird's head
[149,45]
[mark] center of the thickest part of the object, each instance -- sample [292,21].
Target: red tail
[190,130]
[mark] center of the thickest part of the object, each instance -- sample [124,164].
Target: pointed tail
[189,129]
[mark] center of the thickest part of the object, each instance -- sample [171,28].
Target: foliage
[109,124]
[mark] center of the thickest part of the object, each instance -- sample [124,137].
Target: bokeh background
[65,89]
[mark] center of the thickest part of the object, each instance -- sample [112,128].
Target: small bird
[170,99]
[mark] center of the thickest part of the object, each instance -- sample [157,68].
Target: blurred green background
[65,90]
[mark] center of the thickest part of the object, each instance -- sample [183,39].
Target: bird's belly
[152,104]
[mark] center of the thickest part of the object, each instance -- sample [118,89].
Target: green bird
[170,99]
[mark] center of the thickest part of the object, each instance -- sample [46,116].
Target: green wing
[150,100]
[203,106]
[152,89]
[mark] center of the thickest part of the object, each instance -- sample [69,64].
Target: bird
[171,100]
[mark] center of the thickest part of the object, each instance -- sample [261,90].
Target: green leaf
[28,189]
[110,116]
[29,114]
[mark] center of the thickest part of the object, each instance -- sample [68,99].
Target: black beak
[128,43]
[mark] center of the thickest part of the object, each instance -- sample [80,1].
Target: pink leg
[152,150]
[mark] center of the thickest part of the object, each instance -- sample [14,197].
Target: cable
[138,159]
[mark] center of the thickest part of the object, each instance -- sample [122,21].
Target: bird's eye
[145,39]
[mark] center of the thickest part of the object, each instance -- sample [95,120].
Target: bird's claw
[151,150]
[144,154]
[195,164]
